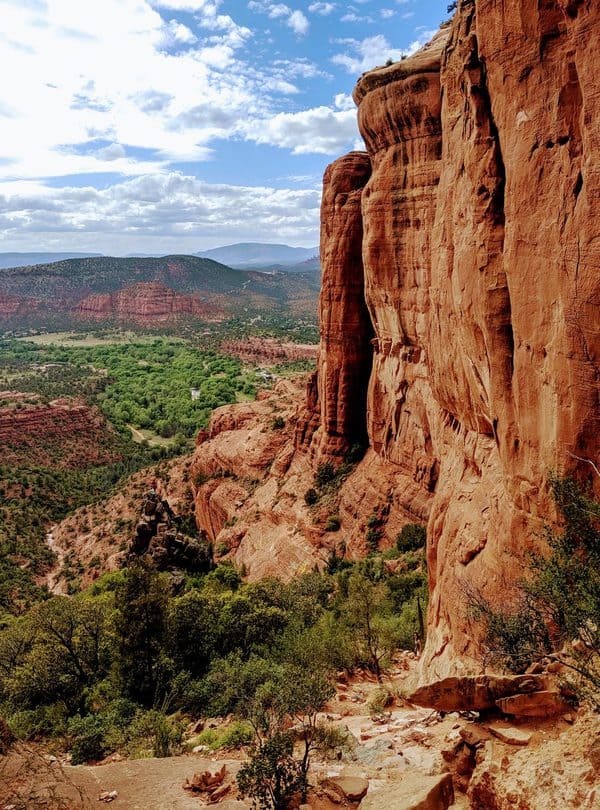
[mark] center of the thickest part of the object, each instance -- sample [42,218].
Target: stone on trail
[352,788]
[413,792]
[511,735]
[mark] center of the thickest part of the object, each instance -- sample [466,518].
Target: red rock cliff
[481,259]
[345,353]
[145,302]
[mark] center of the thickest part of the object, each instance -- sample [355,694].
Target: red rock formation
[145,302]
[482,279]
[65,433]
[346,330]
[269,350]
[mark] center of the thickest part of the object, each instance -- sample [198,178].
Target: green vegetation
[143,384]
[557,607]
[117,666]
[142,387]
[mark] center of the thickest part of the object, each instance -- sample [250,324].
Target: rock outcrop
[146,302]
[345,354]
[269,350]
[471,219]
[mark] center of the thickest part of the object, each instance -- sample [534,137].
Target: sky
[174,126]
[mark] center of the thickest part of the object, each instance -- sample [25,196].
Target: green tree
[141,602]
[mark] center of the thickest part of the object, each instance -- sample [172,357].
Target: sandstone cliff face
[345,353]
[478,240]
[145,302]
[481,269]
[269,350]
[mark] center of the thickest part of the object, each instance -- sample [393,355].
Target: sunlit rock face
[481,253]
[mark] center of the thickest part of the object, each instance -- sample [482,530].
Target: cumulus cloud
[112,152]
[293,18]
[164,212]
[298,23]
[365,54]
[319,130]
[321,8]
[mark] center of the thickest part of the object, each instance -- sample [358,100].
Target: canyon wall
[481,253]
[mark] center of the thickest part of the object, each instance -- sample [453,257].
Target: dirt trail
[149,784]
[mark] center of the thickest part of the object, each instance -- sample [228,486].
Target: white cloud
[343,101]
[353,17]
[298,23]
[321,8]
[293,18]
[320,130]
[112,152]
[387,13]
[175,32]
[166,212]
[374,51]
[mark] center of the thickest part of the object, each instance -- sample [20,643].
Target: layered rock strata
[345,354]
[145,302]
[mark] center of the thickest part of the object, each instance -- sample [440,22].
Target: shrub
[325,474]
[333,523]
[374,535]
[380,700]
[236,735]
[272,775]
[88,738]
[311,496]
[411,538]
[558,605]
[278,423]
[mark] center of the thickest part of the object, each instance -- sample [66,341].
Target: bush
[379,701]
[236,735]
[333,523]
[153,731]
[325,474]
[88,738]
[411,538]
[558,606]
[311,496]
[272,776]
[278,423]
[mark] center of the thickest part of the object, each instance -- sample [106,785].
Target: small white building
[195,394]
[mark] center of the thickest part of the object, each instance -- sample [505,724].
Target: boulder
[546,703]
[474,692]
[474,736]
[351,788]
[414,792]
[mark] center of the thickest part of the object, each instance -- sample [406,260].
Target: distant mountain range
[241,256]
[24,259]
[148,290]
[258,254]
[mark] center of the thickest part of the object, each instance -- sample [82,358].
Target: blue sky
[179,125]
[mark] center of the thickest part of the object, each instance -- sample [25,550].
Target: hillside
[147,290]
